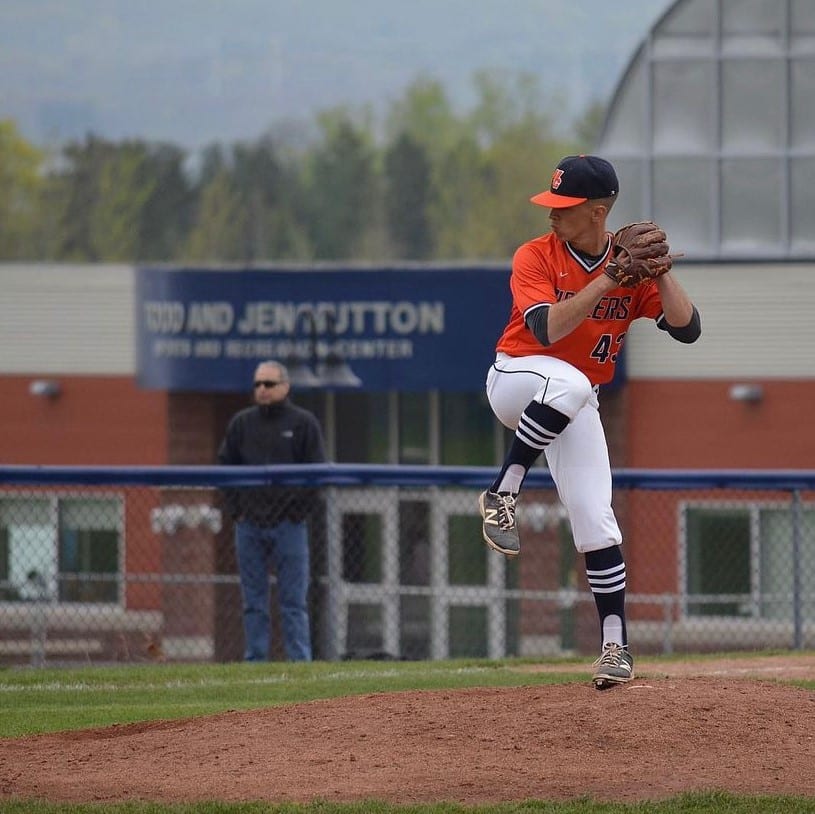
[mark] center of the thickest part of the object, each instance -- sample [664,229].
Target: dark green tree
[427,116]
[271,193]
[125,202]
[459,180]
[20,188]
[212,161]
[72,196]
[219,233]
[408,195]
[341,187]
[124,186]
[168,209]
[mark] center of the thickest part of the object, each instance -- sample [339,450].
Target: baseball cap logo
[579,178]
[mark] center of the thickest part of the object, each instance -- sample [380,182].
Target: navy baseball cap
[579,178]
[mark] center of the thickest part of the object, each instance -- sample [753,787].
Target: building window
[467,430]
[65,549]
[414,428]
[739,562]
[357,428]
[88,554]
[27,544]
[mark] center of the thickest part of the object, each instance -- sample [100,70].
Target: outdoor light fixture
[331,371]
[45,388]
[335,371]
[751,393]
[301,375]
[300,372]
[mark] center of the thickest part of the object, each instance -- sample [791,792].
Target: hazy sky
[197,71]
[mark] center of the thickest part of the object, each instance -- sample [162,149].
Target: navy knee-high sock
[538,427]
[605,570]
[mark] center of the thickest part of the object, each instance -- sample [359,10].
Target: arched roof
[712,129]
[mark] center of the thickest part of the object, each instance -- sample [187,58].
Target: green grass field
[50,700]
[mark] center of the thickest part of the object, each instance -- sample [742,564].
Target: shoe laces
[611,656]
[506,511]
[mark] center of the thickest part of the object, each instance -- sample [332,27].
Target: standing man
[270,523]
[566,328]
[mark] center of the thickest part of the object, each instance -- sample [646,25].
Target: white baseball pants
[578,457]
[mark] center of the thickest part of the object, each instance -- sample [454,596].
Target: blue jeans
[285,547]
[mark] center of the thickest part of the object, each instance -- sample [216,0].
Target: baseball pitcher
[575,291]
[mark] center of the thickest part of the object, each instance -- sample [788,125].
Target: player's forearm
[566,315]
[676,305]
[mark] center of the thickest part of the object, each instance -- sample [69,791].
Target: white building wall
[71,319]
[757,321]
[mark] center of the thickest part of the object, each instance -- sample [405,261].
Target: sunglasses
[267,383]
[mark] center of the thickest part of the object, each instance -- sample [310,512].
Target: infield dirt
[680,726]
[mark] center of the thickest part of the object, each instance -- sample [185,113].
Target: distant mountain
[196,71]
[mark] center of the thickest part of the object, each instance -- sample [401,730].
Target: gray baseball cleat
[499,529]
[615,666]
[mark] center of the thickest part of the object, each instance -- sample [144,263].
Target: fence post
[797,521]
[336,600]
[668,608]
[39,618]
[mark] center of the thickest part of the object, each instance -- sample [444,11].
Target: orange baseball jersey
[547,270]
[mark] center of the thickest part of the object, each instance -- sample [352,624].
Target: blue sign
[408,329]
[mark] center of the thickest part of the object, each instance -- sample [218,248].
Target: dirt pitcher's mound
[651,739]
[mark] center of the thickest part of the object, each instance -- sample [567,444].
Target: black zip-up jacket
[272,434]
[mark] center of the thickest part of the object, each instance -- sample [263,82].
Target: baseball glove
[639,253]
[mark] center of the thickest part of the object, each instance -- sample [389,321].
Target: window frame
[754,510]
[428,430]
[53,500]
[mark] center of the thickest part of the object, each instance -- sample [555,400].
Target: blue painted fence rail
[394,475]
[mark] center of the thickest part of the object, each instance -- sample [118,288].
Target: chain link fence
[133,565]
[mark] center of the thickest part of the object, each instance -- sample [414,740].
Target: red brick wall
[613,407]
[96,420]
[196,425]
[686,424]
[664,424]
[109,420]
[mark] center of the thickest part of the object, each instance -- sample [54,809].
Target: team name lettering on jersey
[609,308]
[612,308]
[546,271]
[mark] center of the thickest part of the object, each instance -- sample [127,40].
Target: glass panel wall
[721,82]
[454,429]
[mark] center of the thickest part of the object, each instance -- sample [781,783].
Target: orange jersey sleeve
[545,271]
